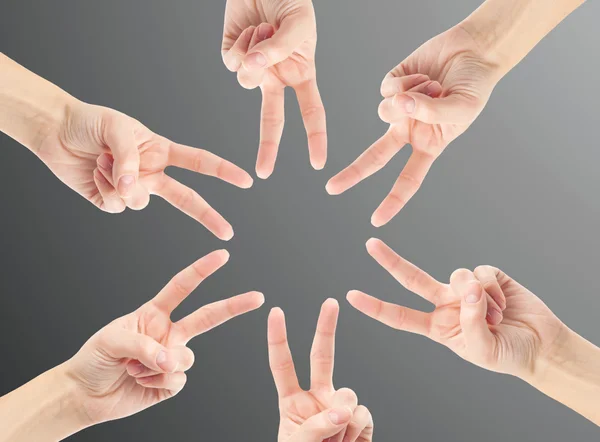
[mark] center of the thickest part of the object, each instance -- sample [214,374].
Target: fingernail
[126,184]
[474,295]
[143,380]
[432,89]
[136,369]
[256,60]
[405,102]
[263,32]
[161,358]
[340,416]
[495,316]
[105,162]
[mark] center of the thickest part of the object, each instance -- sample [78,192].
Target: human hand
[430,99]
[272,44]
[322,413]
[96,147]
[527,331]
[140,359]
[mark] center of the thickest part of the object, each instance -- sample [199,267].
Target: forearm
[42,410]
[30,107]
[570,373]
[506,30]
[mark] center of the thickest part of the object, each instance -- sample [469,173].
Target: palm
[296,409]
[109,387]
[103,368]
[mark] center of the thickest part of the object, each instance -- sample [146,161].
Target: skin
[271,45]
[464,63]
[110,159]
[321,413]
[530,343]
[133,363]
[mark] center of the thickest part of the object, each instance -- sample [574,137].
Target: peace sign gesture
[461,319]
[321,413]
[140,359]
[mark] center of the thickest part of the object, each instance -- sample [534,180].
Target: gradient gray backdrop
[519,190]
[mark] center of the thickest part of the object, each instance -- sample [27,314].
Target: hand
[430,99]
[81,154]
[322,413]
[140,359]
[527,331]
[272,44]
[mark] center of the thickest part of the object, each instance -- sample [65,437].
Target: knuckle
[458,274]
[321,357]
[348,395]
[400,317]
[313,111]
[376,156]
[272,120]
[281,366]
[185,199]
[207,319]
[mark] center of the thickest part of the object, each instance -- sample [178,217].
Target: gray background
[519,190]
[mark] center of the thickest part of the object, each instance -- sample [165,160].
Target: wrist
[507,30]
[31,108]
[554,357]
[70,398]
[45,409]
[570,373]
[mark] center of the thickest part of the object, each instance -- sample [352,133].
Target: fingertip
[227,233]
[339,416]
[254,61]
[494,317]
[331,303]
[223,254]
[377,220]
[105,161]
[263,172]
[247,181]
[125,186]
[331,187]
[372,244]
[276,312]
[354,295]
[259,298]
[318,162]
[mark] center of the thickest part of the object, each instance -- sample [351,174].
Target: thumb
[478,337]
[123,344]
[453,109]
[120,138]
[321,426]
[294,31]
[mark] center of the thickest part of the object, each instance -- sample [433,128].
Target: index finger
[207,163]
[280,356]
[187,280]
[193,205]
[370,161]
[406,273]
[212,315]
[315,123]
[323,349]
[406,186]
